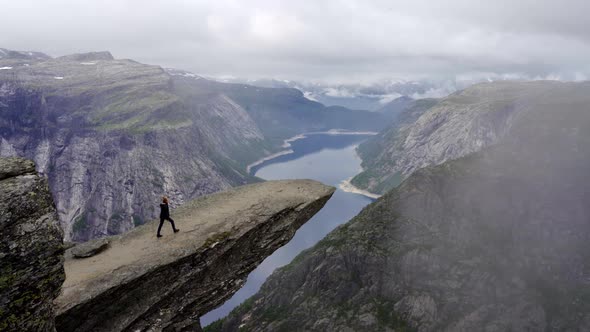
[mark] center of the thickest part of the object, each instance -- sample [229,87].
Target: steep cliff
[379,153]
[141,283]
[494,241]
[464,122]
[31,262]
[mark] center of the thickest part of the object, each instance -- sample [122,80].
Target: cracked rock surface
[31,250]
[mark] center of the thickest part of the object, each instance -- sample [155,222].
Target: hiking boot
[159,235]
[176,230]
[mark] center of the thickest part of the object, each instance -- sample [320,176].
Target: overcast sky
[332,40]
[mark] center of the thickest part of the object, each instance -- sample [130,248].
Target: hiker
[165,215]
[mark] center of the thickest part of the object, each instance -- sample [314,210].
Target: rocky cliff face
[31,262]
[140,283]
[464,122]
[494,241]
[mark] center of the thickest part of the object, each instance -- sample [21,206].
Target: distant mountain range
[362,96]
[114,135]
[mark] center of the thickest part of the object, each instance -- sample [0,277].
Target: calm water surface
[329,159]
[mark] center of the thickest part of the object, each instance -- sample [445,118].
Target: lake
[329,159]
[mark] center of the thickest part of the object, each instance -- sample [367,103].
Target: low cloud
[338,41]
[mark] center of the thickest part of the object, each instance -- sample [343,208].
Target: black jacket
[164,211]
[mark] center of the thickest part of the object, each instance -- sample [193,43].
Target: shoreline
[287,144]
[348,187]
[267,158]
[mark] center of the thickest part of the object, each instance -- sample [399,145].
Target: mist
[337,41]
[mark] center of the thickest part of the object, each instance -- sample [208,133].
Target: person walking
[165,215]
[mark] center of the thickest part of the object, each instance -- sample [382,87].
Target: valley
[492,240]
[312,157]
[113,136]
[452,214]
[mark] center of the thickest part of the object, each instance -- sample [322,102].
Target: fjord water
[329,159]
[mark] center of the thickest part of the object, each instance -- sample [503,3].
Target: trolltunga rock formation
[141,283]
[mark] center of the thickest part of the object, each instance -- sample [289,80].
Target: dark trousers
[162,223]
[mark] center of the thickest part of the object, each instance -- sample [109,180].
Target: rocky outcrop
[463,123]
[493,241]
[141,283]
[31,250]
[90,248]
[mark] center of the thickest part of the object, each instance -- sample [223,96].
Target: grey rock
[113,135]
[90,248]
[91,56]
[11,167]
[141,283]
[380,153]
[31,251]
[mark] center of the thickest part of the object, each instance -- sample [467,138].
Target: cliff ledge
[141,283]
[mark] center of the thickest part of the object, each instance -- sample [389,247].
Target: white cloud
[339,93]
[388,98]
[332,40]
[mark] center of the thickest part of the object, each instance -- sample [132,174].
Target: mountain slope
[396,106]
[380,152]
[494,241]
[284,112]
[462,123]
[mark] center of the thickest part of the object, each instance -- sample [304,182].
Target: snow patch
[309,95]
[339,93]
[58,77]
[191,75]
[5,68]
[389,98]
[87,63]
